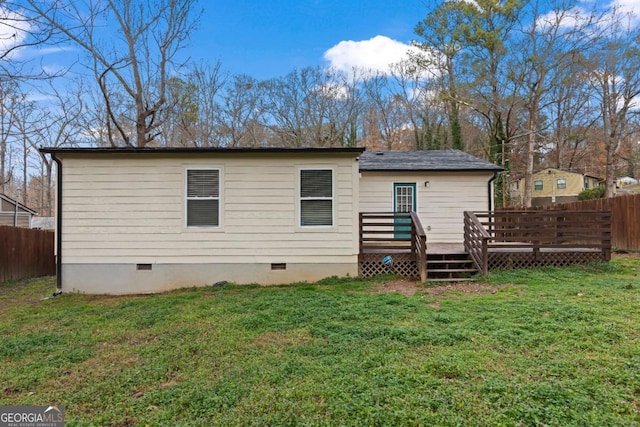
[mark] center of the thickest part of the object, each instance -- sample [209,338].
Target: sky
[266,39]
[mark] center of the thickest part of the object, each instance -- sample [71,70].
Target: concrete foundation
[120,279]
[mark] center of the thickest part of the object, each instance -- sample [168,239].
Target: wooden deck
[493,240]
[432,248]
[524,239]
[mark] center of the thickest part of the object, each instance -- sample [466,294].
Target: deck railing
[390,232]
[476,241]
[420,246]
[536,231]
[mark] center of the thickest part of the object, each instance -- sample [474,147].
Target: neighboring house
[625,180]
[44,222]
[147,220]
[15,213]
[552,186]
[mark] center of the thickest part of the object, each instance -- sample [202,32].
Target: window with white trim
[316,197]
[537,185]
[203,198]
[562,183]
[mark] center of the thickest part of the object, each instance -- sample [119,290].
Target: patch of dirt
[409,288]
[625,254]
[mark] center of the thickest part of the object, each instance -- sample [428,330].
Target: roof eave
[432,170]
[182,150]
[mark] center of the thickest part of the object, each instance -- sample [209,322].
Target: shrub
[592,193]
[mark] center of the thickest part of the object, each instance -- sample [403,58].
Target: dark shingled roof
[425,160]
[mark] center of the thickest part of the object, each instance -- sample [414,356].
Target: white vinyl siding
[440,206]
[316,197]
[203,197]
[131,209]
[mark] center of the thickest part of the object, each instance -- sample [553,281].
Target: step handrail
[420,243]
[476,239]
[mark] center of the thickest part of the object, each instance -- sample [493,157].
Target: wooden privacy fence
[625,218]
[26,252]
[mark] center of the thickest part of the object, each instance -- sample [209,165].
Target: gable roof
[423,160]
[17,204]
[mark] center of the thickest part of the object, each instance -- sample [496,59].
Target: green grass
[549,346]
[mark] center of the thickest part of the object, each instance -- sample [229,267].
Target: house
[625,180]
[146,220]
[438,185]
[552,186]
[15,213]
[44,223]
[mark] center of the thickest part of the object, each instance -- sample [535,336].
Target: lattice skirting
[403,265]
[514,260]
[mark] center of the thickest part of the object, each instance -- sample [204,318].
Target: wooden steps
[450,267]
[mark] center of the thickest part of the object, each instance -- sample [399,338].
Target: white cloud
[376,54]
[14,29]
[52,50]
[568,19]
[580,16]
[628,6]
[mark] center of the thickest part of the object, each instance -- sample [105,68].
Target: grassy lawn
[532,347]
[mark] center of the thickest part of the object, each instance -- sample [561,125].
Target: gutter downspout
[489,186]
[58,224]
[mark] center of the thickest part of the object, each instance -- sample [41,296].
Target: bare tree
[241,111]
[209,81]
[314,107]
[137,60]
[57,124]
[20,30]
[385,116]
[614,75]
[10,99]
[551,38]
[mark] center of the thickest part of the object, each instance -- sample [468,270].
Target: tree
[313,107]
[550,41]
[57,124]
[10,99]
[240,118]
[442,36]
[614,75]
[473,38]
[386,117]
[20,30]
[137,61]
[209,81]
[180,116]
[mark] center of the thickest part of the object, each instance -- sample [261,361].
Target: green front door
[404,200]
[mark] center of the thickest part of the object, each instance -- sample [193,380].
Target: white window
[203,197]
[562,184]
[316,197]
